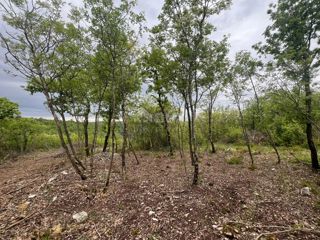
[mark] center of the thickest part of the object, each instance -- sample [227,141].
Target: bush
[289,134]
[234,135]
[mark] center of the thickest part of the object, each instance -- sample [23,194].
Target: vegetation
[179,130]
[90,65]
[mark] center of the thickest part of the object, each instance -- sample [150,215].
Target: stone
[306,191]
[32,196]
[151,213]
[80,216]
[52,179]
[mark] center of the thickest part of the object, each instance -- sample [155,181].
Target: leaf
[57,229]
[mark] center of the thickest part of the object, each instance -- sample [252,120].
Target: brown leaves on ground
[155,200]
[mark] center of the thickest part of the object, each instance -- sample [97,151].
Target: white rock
[155,219]
[305,191]
[151,213]
[54,198]
[32,196]
[64,172]
[52,179]
[80,216]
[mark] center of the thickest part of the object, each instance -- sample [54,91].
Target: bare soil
[39,193]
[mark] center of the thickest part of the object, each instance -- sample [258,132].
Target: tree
[158,72]
[293,41]
[185,28]
[112,30]
[238,84]
[43,49]
[215,67]
[248,68]
[8,109]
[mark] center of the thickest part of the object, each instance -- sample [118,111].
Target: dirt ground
[39,193]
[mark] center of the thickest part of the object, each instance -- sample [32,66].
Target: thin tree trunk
[95,131]
[210,109]
[245,135]
[133,151]
[106,139]
[86,134]
[112,130]
[312,147]
[269,135]
[124,136]
[70,141]
[165,124]
[112,153]
[60,134]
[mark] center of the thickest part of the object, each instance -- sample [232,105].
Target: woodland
[137,146]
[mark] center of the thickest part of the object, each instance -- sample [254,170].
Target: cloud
[245,21]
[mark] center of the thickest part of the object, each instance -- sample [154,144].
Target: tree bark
[70,141]
[62,141]
[133,151]
[95,131]
[124,137]
[210,133]
[308,102]
[86,134]
[106,139]
[245,135]
[165,123]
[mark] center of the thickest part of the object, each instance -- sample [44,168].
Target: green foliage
[8,109]
[235,160]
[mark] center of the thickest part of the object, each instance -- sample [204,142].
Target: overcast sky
[245,21]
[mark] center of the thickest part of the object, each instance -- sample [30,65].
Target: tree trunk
[245,135]
[86,135]
[260,111]
[312,147]
[165,124]
[70,141]
[106,139]
[191,113]
[134,153]
[95,131]
[210,134]
[60,134]
[124,136]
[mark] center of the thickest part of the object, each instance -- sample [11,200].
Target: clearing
[40,193]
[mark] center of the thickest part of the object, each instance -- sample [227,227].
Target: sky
[244,22]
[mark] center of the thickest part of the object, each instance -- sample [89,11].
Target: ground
[39,193]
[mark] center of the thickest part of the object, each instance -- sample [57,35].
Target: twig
[95,228]
[23,219]
[20,188]
[36,213]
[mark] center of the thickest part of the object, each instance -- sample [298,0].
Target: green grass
[235,160]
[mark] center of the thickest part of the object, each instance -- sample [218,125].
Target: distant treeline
[146,132]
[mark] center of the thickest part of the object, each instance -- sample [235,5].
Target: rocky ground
[42,198]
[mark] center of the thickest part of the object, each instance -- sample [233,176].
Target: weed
[235,160]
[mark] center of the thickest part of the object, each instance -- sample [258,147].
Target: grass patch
[235,160]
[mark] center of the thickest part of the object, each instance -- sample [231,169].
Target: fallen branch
[33,214]
[20,188]
[21,220]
